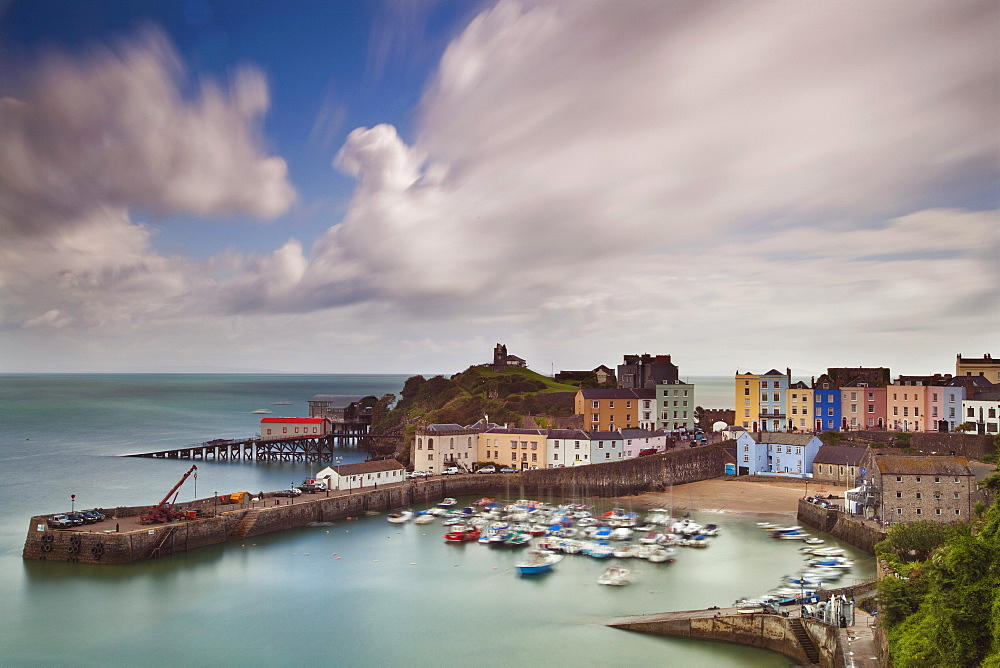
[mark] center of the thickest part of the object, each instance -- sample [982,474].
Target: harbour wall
[840,525]
[765,631]
[634,476]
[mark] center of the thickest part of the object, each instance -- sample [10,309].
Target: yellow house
[746,400]
[516,448]
[799,399]
[984,366]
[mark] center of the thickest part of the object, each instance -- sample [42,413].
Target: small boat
[462,535]
[539,561]
[260,411]
[616,576]
[658,555]
[423,518]
[517,539]
[447,503]
[814,541]
[400,516]
[485,501]
[282,403]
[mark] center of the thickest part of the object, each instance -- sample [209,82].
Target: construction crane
[164,511]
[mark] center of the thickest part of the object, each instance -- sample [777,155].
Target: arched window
[430,443]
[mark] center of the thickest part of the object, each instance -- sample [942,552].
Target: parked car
[507,469]
[418,474]
[93,515]
[451,470]
[59,522]
[288,492]
[77,519]
[487,469]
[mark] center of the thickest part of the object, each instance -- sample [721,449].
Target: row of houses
[846,399]
[440,446]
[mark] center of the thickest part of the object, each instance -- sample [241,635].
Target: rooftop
[923,465]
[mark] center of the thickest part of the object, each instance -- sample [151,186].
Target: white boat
[658,555]
[651,538]
[625,551]
[615,576]
[260,411]
[621,533]
[814,541]
[447,503]
[423,518]
[399,517]
[539,561]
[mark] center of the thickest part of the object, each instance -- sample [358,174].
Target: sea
[352,593]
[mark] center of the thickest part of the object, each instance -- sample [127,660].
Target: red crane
[163,511]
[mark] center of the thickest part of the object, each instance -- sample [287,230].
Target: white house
[276,428]
[564,446]
[776,453]
[606,446]
[637,440]
[984,412]
[439,446]
[365,475]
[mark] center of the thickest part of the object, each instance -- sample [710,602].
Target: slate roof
[445,427]
[606,436]
[507,430]
[368,467]
[781,438]
[575,434]
[636,433]
[916,465]
[619,393]
[986,396]
[839,455]
[338,400]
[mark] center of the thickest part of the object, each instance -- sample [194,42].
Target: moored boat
[462,534]
[615,576]
[400,516]
[538,561]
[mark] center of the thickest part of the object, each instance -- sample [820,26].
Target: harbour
[443,604]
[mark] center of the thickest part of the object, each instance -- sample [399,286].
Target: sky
[395,187]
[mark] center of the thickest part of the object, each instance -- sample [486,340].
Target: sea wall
[765,631]
[95,546]
[840,525]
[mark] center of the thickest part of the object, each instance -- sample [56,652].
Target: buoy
[338,558]
[334,554]
[413,563]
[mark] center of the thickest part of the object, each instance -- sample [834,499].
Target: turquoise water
[396,596]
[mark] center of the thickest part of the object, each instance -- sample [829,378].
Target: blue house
[776,453]
[826,404]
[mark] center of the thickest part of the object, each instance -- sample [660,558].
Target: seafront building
[362,475]
[606,446]
[800,406]
[983,412]
[277,428]
[984,366]
[563,447]
[675,404]
[613,409]
[776,453]
[902,488]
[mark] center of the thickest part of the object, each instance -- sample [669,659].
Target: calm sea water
[362,593]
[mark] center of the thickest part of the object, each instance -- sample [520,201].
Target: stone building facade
[908,488]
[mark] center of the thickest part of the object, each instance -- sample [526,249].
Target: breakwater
[840,525]
[101,546]
[804,640]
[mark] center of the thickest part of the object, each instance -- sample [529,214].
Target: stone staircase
[245,524]
[804,640]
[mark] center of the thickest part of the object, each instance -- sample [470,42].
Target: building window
[919,495]
[899,495]
[918,478]
[919,511]
[957,511]
[746,458]
[595,404]
[956,495]
[936,479]
[899,511]
[430,457]
[937,511]
[899,479]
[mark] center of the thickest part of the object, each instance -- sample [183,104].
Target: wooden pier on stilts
[299,449]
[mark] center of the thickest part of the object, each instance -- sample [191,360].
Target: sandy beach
[736,497]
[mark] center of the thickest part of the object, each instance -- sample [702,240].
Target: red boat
[462,535]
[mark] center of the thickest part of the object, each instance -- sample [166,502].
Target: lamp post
[196,486]
[327,486]
[216,503]
[72,502]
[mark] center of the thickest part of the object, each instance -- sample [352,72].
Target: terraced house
[611,410]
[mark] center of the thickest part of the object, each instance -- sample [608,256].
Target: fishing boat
[517,539]
[538,561]
[400,516]
[616,576]
[463,534]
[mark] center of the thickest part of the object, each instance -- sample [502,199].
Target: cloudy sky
[394,187]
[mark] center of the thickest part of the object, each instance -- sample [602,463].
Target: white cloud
[112,128]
